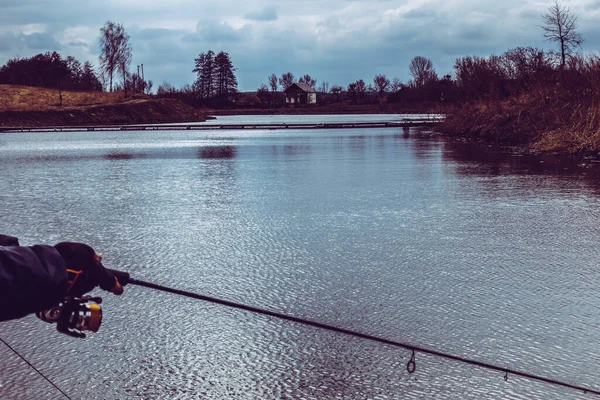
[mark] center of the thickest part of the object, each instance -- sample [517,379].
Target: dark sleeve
[31,279]
[6,240]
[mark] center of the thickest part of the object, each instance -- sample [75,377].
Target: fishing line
[411,366]
[35,369]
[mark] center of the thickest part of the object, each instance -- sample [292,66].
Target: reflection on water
[482,160]
[484,254]
[226,152]
[117,155]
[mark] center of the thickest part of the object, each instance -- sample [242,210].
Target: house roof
[302,86]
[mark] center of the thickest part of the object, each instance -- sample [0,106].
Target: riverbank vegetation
[545,100]
[548,101]
[524,97]
[34,106]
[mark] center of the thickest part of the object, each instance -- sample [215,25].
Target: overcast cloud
[338,41]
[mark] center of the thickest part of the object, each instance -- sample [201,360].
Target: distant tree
[205,69]
[357,91]
[188,89]
[396,85]
[115,51]
[165,88]
[308,80]
[225,79]
[273,85]
[273,82]
[522,63]
[421,69]
[480,77]
[127,81]
[263,93]
[561,26]
[371,91]
[352,92]
[50,70]
[337,90]
[381,83]
[137,84]
[215,77]
[103,78]
[75,70]
[89,77]
[324,87]
[286,80]
[361,90]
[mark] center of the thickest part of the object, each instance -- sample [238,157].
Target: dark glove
[85,270]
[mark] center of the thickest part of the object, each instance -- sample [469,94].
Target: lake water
[469,250]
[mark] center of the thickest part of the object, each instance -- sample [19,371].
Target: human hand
[85,270]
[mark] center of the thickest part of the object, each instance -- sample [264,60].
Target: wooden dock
[423,122]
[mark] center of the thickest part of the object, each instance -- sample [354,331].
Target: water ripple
[402,236]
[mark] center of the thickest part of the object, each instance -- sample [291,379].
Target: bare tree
[103,78]
[421,69]
[137,84]
[263,93]
[308,80]
[324,87]
[357,91]
[273,82]
[396,85]
[286,80]
[381,83]
[165,88]
[115,51]
[273,85]
[560,26]
[337,90]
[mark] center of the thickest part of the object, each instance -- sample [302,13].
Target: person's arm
[36,278]
[31,279]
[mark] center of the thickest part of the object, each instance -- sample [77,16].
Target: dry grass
[557,125]
[25,98]
[579,134]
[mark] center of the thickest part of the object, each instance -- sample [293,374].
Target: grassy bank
[34,107]
[527,97]
[535,124]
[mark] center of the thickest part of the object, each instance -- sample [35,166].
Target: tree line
[50,70]
[517,70]
[424,86]
[216,84]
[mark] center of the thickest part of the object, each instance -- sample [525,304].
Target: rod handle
[122,276]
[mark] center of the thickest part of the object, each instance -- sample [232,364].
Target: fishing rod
[86,317]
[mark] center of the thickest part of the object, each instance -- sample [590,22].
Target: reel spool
[75,315]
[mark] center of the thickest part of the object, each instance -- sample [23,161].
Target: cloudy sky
[338,41]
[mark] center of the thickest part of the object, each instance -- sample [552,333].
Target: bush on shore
[526,97]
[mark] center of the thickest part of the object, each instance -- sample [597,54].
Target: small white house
[300,93]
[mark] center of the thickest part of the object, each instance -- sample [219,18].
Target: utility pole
[143,80]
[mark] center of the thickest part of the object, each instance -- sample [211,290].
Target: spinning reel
[75,315]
